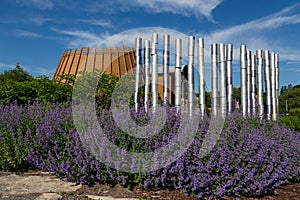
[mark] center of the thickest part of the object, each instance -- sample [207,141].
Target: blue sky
[35,33]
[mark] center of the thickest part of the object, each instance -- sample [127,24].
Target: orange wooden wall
[118,61]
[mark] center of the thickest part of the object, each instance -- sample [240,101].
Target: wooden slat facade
[116,61]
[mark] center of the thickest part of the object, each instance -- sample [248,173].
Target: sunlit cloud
[197,8]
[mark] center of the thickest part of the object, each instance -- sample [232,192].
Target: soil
[285,192]
[26,181]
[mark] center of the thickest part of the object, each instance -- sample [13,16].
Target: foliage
[105,88]
[17,85]
[252,157]
[104,85]
[15,123]
[292,96]
[236,95]
[18,74]
[293,122]
[285,88]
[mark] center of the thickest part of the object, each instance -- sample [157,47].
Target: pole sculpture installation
[138,57]
[243,77]
[254,68]
[178,63]
[249,63]
[201,79]
[191,50]
[154,70]
[268,84]
[260,65]
[277,82]
[223,101]
[273,87]
[147,73]
[214,79]
[253,84]
[166,61]
[229,52]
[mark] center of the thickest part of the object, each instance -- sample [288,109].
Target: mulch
[284,192]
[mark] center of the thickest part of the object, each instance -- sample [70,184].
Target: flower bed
[251,158]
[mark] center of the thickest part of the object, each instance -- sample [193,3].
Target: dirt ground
[287,192]
[30,185]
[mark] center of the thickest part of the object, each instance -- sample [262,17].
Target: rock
[49,196]
[13,184]
[95,197]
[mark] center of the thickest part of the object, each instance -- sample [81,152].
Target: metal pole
[243,77]
[166,62]
[223,102]
[253,84]
[229,55]
[268,84]
[138,58]
[273,87]
[191,50]
[147,73]
[249,63]
[201,71]
[277,82]
[178,62]
[214,79]
[260,65]
[154,70]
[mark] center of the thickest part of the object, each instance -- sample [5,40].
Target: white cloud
[79,38]
[23,33]
[40,4]
[257,34]
[182,7]
[98,22]
[4,66]
[35,71]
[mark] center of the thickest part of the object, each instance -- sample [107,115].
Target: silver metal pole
[223,102]
[201,72]
[147,73]
[214,79]
[154,71]
[249,63]
[166,63]
[191,50]
[277,82]
[253,84]
[229,56]
[178,63]
[260,66]
[243,77]
[273,87]
[268,84]
[138,58]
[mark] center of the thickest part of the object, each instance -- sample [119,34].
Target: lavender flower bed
[251,158]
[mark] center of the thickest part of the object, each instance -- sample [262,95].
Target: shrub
[293,122]
[251,157]
[16,121]
[18,85]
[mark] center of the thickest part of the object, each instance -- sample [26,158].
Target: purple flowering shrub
[16,121]
[251,157]
[245,161]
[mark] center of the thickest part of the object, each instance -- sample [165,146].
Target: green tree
[18,74]
[291,98]
[18,85]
